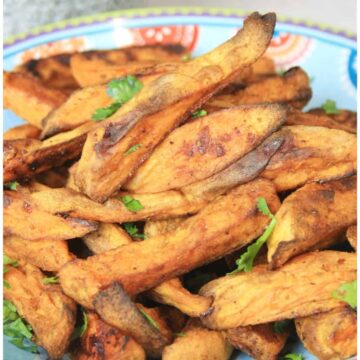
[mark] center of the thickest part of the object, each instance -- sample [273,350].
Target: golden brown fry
[345,120]
[292,88]
[264,66]
[157,227]
[44,307]
[56,178]
[311,153]
[329,335]
[48,255]
[230,222]
[53,71]
[116,308]
[260,342]
[311,218]
[105,163]
[351,234]
[197,342]
[106,237]
[301,287]
[203,147]
[110,343]
[23,218]
[28,98]
[22,132]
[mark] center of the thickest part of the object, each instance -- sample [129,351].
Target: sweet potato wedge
[223,226]
[116,308]
[300,288]
[47,255]
[311,218]
[105,164]
[311,153]
[292,88]
[23,218]
[203,147]
[26,131]
[329,335]
[28,98]
[44,307]
[110,343]
[351,234]
[260,342]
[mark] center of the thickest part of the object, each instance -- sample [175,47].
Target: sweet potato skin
[221,227]
[329,335]
[243,299]
[43,306]
[312,217]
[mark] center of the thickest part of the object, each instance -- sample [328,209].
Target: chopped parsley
[348,293]
[132,149]
[12,185]
[121,90]
[246,260]
[7,261]
[281,326]
[198,113]
[292,356]
[329,106]
[80,330]
[149,319]
[133,231]
[131,204]
[51,280]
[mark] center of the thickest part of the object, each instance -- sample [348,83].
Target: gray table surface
[22,15]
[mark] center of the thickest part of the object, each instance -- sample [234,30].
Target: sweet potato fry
[225,225]
[260,342]
[105,165]
[300,288]
[206,344]
[28,98]
[44,307]
[292,88]
[47,255]
[26,131]
[351,234]
[329,335]
[110,343]
[23,218]
[261,68]
[311,153]
[345,120]
[116,308]
[206,146]
[53,71]
[311,218]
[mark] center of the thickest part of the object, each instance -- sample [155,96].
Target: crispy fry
[301,287]
[225,225]
[44,307]
[56,178]
[292,88]
[206,146]
[311,218]
[116,308]
[329,335]
[48,255]
[23,218]
[155,228]
[28,98]
[104,165]
[261,68]
[312,153]
[259,341]
[351,234]
[200,343]
[110,343]
[26,131]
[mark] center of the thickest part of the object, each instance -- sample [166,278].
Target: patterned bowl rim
[162,11]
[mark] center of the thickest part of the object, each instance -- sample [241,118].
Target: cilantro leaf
[80,330]
[132,149]
[281,72]
[51,280]
[19,342]
[6,285]
[9,261]
[292,356]
[348,293]
[133,231]
[124,89]
[149,319]
[198,113]
[12,185]
[246,260]
[280,326]
[329,106]
[9,311]
[17,328]
[105,112]
[131,204]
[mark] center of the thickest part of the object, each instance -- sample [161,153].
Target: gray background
[22,15]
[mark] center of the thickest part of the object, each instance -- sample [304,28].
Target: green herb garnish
[293,356]
[51,280]
[149,319]
[180,334]
[7,261]
[131,204]
[12,185]
[329,106]
[133,231]
[80,330]
[198,113]
[132,149]
[348,293]
[281,326]
[105,112]
[246,260]
[281,72]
